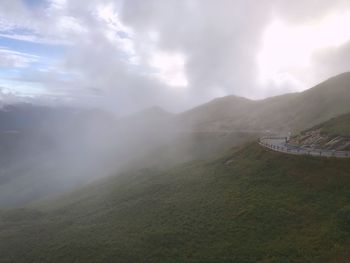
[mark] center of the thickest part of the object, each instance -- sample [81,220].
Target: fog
[49,150]
[83,84]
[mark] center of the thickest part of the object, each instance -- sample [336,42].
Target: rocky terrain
[331,135]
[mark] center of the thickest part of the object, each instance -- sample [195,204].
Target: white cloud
[170,68]
[58,4]
[69,24]
[288,50]
[14,59]
[116,32]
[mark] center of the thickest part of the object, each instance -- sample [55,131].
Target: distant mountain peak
[233,97]
[155,110]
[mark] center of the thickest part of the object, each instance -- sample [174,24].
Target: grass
[339,126]
[261,207]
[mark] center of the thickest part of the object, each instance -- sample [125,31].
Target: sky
[126,55]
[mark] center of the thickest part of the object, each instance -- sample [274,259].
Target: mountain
[221,114]
[63,148]
[248,205]
[153,114]
[290,112]
[338,126]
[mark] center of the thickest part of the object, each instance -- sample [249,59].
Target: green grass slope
[190,146]
[250,205]
[339,126]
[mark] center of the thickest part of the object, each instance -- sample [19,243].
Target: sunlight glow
[289,49]
[170,68]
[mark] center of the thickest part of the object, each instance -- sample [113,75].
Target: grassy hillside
[339,126]
[249,205]
[291,112]
[190,146]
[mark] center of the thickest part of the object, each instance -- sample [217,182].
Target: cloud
[170,68]
[8,97]
[221,41]
[14,59]
[130,54]
[332,60]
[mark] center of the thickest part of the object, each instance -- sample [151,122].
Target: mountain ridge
[288,112]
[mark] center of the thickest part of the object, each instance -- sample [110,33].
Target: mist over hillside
[159,182]
[247,205]
[49,150]
[174,131]
[148,186]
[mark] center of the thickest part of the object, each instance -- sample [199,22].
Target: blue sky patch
[31,47]
[35,3]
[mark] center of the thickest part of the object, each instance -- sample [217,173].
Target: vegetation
[249,205]
[171,204]
[339,126]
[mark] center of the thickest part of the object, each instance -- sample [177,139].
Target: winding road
[280,144]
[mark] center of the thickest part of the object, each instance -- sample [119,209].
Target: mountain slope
[46,151]
[332,135]
[249,205]
[339,126]
[294,112]
[217,115]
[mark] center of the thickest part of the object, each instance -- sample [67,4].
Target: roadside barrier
[279,144]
